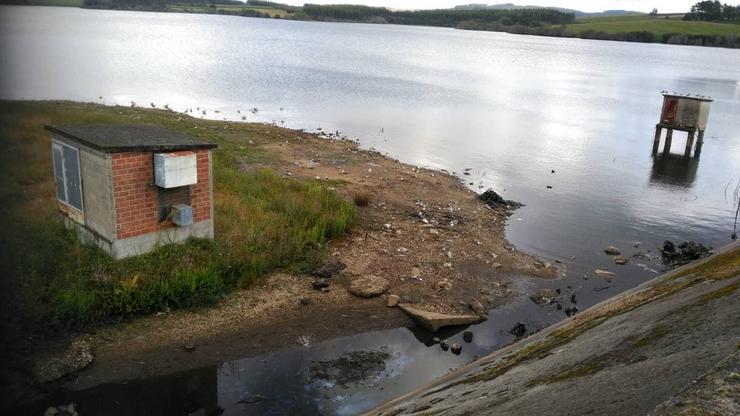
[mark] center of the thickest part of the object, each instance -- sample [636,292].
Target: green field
[657,25]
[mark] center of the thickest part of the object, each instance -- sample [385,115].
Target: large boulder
[369,286]
[435,320]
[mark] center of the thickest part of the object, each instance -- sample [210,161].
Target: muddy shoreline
[434,241]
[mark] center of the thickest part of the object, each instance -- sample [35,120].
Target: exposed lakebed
[562,125]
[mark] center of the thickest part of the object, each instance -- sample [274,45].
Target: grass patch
[263,222]
[659,26]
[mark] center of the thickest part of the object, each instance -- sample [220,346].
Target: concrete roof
[118,138]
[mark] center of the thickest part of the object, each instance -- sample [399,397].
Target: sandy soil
[435,242]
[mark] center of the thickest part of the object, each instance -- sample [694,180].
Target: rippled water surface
[512,108]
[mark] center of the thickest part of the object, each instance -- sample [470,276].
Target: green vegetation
[714,11]
[439,17]
[659,26]
[263,222]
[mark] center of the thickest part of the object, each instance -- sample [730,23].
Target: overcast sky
[664,6]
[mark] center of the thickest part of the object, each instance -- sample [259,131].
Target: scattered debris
[63,410]
[570,311]
[544,296]
[604,273]
[321,283]
[350,367]
[456,348]
[444,284]
[621,260]
[329,269]
[251,399]
[478,307]
[444,344]
[468,336]
[518,330]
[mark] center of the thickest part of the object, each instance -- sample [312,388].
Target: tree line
[714,11]
[439,17]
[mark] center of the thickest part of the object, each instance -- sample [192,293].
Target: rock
[189,347]
[468,336]
[621,260]
[444,284]
[435,320]
[544,296]
[254,398]
[456,348]
[612,251]
[478,307]
[329,269]
[64,410]
[571,310]
[436,340]
[444,344]
[518,330]
[604,273]
[392,301]
[492,199]
[305,301]
[686,252]
[369,286]
[58,364]
[497,265]
[321,283]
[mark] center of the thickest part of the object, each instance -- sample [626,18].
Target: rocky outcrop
[435,320]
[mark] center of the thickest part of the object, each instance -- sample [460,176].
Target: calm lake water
[512,108]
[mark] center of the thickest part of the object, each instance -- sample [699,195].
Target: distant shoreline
[663,29]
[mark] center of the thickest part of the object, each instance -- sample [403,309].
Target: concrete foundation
[134,246]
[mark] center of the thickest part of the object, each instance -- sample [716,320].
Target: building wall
[97,192]
[135,195]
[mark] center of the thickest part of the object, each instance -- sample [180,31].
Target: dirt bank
[422,230]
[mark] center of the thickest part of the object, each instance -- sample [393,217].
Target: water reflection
[675,170]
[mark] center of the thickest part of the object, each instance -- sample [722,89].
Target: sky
[663,6]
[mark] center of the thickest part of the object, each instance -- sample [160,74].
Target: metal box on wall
[175,169]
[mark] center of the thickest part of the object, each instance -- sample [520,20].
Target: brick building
[128,189]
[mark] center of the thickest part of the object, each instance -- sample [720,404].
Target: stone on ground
[369,286]
[393,301]
[612,251]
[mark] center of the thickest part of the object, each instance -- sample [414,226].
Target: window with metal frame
[67,174]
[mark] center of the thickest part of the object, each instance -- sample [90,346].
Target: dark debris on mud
[351,367]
